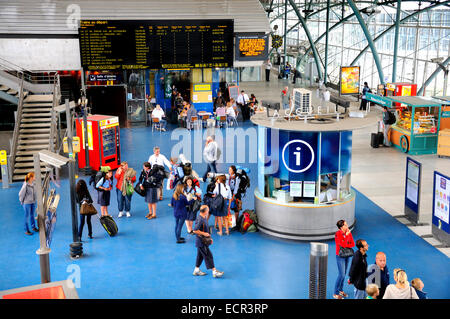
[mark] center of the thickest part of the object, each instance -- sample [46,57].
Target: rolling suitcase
[109,225]
[380,138]
[374,140]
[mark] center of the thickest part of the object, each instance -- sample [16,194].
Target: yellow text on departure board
[252,47]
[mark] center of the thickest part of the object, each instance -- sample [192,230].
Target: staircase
[37,96]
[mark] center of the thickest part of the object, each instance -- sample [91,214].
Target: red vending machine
[103,140]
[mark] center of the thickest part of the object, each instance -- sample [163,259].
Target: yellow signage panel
[202,87]
[3,157]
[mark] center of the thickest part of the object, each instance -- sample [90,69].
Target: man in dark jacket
[358,269]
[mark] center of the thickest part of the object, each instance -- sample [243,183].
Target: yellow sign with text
[3,157]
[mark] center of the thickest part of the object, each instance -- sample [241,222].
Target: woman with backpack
[194,191]
[104,187]
[27,198]
[151,192]
[222,190]
[180,211]
[125,177]
[235,204]
[83,195]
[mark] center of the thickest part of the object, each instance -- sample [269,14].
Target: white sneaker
[198,273]
[128,214]
[217,274]
[120,214]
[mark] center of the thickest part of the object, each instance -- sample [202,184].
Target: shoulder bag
[345,252]
[206,240]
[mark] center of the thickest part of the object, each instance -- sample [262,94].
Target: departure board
[251,47]
[155,44]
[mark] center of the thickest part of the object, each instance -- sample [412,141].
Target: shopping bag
[231,218]
[170,181]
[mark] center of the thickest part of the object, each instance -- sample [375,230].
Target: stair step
[36,110]
[26,170]
[35,125]
[4,88]
[39,98]
[18,177]
[26,158]
[34,105]
[11,92]
[26,164]
[36,114]
[33,131]
[32,137]
[36,120]
[33,141]
[29,147]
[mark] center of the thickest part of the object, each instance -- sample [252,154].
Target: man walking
[210,154]
[285,98]
[203,252]
[242,101]
[358,269]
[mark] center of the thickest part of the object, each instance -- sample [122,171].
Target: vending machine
[400,89]
[103,141]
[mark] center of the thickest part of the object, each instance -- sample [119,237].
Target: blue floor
[143,260]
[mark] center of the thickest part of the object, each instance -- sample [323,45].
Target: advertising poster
[309,188]
[441,198]
[349,80]
[295,189]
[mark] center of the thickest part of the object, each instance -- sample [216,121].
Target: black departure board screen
[155,44]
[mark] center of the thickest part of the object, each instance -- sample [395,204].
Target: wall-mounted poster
[349,80]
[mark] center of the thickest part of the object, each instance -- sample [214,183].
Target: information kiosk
[304,174]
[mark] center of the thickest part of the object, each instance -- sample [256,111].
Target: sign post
[412,190]
[4,164]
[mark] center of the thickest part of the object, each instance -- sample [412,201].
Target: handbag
[345,252]
[231,219]
[87,209]
[195,205]
[139,191]
[129,188]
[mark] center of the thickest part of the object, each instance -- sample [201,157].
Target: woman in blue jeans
[179,203]
[342,238]
[27,198]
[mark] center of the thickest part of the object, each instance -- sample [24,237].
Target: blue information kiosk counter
[304,176]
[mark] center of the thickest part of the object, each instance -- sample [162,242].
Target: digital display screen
[251,47]
[155,44]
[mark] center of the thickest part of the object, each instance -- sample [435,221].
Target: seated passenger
[158,113]
[231,115]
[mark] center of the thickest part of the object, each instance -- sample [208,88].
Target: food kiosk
[418,122]
[304,174]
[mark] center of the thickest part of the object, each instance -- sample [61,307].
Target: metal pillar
[308,34]
[43,251]
[326,43]
[76,248]
[369,40]
[318,261]
[397,28]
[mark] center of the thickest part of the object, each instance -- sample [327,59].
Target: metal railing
[15,137]
[27,75]
[23,75]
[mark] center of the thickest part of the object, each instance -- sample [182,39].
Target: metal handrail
[27,75]
[16,131]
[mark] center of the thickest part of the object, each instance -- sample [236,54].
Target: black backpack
[156,176]
[392,119]
[187,168]
[217,202]
[96,178]
[244,181]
